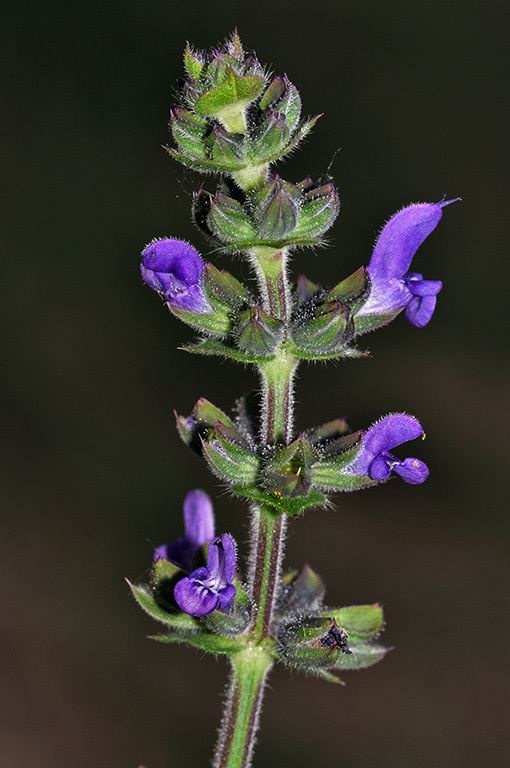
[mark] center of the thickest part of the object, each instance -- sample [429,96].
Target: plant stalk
[244,699]
[250,667]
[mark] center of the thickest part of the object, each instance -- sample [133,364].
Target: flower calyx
[277,214]
[322,326]
[325,640]
[301,591]
[257,333]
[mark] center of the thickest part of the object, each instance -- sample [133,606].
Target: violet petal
[198,518]
[194,598]
[412,471]
[175,270]
[420,309]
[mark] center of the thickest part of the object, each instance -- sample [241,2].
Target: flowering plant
[233,122]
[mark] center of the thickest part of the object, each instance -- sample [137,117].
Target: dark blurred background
[93,473]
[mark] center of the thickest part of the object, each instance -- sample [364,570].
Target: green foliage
[175,620]
[216,644]
[361,622]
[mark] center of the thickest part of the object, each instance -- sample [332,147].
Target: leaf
[292,507]
[362,656]
[205,641]
[235,91]
[328,676]
[178,620]
[205,165]
[361,622]
[216,347]
[345,352]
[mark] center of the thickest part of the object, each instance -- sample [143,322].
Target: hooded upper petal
[198,529]
[198,518]
[400,239]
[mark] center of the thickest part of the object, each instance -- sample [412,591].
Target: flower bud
[301,591]
[271,137]
[189,131]
[323,332]
[258,333]
[230,455]
[318,210]
[283,98]
[175,270]
[224,218]
[278,206]
[228,149]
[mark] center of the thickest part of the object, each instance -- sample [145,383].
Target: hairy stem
[268,538]
[244,699]
[250,667]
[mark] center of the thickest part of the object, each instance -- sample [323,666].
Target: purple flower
[175,270]
[392,286]
[374,459]
[211,588]
[198,530]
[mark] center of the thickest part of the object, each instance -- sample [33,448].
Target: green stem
[250,667]
[240,721]
[277,398]
[268,536]
[252,177]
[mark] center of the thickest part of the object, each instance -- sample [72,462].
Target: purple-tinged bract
[374,459]
[211,588]
[392,286]
[176,271]
[198,530]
